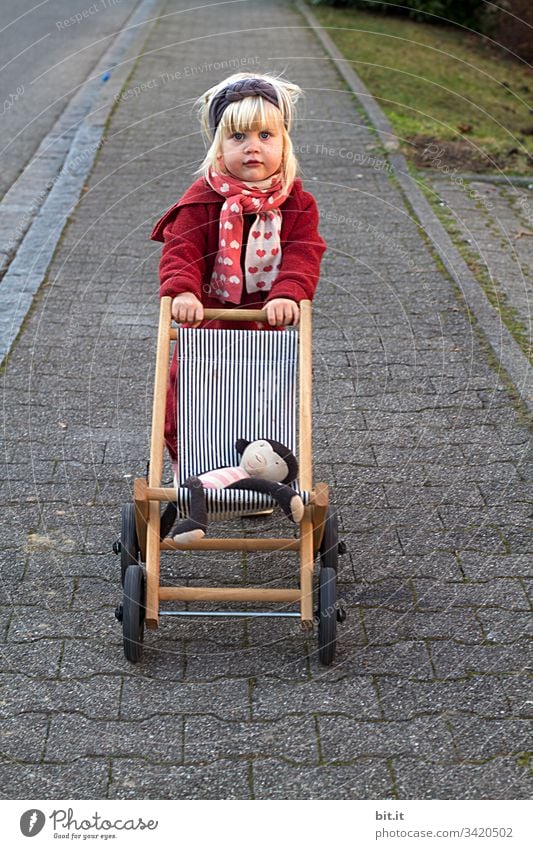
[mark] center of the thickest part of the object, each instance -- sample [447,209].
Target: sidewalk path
[413,428]
[494,225]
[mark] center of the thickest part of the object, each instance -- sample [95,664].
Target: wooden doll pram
[232,383]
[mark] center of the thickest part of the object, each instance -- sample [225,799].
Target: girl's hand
[282,311]
[187,309]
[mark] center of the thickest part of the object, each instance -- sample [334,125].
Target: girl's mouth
[252,162]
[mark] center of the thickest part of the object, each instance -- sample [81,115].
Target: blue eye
[238,136]
[264,134]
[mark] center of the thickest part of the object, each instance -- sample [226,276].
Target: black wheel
[327,615]
[329,547]
[129,545]
[133,612]
[327,590]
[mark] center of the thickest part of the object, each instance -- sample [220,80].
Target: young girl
[245,233]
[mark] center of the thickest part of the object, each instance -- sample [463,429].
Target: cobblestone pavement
[493,223]
[414,429]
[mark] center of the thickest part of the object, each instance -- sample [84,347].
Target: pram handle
[241,315]
[235,315]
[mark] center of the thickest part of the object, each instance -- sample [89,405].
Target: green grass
[438,81]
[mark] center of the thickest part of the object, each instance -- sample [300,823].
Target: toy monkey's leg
[289,500]
[168,517]
[194,528]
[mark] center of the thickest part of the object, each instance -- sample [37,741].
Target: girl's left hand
[282,311]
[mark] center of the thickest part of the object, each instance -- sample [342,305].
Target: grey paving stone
[527,584]
[367,545]
[193,571]
[292,739]
[285,659]
[42,594]
[477,738]
[390,593]
[229,700]
[136,779]
[369,778]
[518,693]
[503,492]
[82,780]
[379,420]
[512,435]
[453,661]
[438,564]
[157,740]
[383,627]
[96,593]
[343,739]
[12,567]
[56,566]
[5,616]
[408,658]
[474,538]
[24,737]
[20,696]
[222,632]
[33,659]
[428,496]
[447,455]
[482,567]
[490,696]
[500,778]
[503,593]
[517,539]
[411,515]
[36,623]
[500,627]
[92,658]
[513,514]
[494,472]
[352,695]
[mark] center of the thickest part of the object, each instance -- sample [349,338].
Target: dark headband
[238,91]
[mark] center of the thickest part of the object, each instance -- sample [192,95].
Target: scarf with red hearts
[263,250]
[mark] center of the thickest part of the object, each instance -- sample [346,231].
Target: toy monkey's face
[261,461]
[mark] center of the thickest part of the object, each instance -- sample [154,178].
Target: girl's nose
[252,143]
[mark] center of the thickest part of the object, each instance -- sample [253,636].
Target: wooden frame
[147,495]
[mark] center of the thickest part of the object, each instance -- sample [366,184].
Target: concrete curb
[507,351]
[36,208]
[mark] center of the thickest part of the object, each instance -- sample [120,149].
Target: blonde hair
[251,113]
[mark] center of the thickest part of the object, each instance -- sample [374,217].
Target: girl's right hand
[187,309]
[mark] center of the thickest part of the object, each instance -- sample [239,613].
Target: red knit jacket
[190,232]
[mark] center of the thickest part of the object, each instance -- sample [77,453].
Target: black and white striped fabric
[232,384]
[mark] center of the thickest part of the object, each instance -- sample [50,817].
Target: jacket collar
[201,192]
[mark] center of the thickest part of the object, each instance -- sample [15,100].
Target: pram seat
[232,384]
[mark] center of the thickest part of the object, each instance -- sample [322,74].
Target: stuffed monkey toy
[266,466]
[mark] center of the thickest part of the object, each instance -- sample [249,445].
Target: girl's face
[252,155]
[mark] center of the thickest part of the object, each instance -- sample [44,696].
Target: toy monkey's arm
[289,500]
